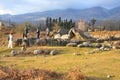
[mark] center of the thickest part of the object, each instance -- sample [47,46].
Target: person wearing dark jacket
[38,33]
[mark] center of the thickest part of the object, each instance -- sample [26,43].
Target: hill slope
[99,13]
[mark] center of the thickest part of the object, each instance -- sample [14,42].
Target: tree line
[56,23]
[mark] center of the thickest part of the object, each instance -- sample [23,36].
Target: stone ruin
[82,25]
[75,35]
[62,37]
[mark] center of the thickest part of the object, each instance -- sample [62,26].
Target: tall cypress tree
[93,20]
[47,19]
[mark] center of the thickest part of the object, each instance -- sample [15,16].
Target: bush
[75,74]
[9,73]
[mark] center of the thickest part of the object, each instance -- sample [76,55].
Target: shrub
[75,74]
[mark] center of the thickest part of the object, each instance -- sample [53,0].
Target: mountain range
[99,13]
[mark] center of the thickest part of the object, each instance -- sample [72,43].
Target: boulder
[53,52]
[87,35]
[86,44]
[98,45]
[37,52]
[116,45]
[106,49]
[90,45]
[20,52]
[18,42]
[13,52]
[23,49]
[46,51]
[109,76]
[80,45]
[65,37]
[72,44]
[102,48]
[57,36]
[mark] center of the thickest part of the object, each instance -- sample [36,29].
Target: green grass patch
[97,66]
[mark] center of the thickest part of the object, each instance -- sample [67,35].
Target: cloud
[4,11]
[25,6]
[104,3]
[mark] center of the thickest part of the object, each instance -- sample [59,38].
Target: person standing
[10,40]
[25,42]
[26,31]
[38,33]
[47,32]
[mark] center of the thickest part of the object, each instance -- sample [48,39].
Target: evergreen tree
[93,20]
[47,19]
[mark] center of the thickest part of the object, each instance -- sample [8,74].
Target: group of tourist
[25,36]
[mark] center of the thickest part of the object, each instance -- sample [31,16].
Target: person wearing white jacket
[10,38]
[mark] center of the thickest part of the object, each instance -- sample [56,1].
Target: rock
[13,52]
[100,40]
[86,44]
[98,45]
[80,45]
[57,36]
[75,41]
[72,44]
[53,52]
[65,37]
[18,42]
[109,76]
[116,45]
[87,34]
[23,49]
[37,52]
[90,45]
[47,51]
[106,49]
[20,52]
[102,48]
[107,45]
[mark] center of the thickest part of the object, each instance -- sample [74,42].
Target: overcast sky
[26,6]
